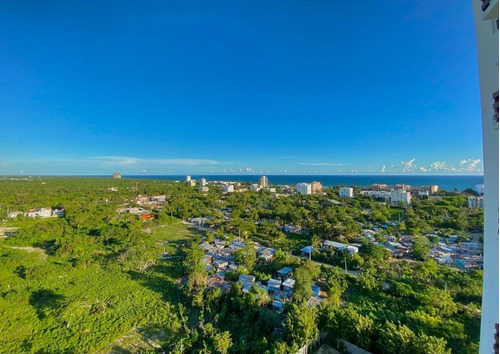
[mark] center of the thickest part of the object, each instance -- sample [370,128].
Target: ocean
[448,183]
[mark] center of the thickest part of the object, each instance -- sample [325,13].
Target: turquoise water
[448,183]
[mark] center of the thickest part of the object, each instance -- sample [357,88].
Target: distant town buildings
[203,182]
[192,183]
[203,188]
[479,189]
[475,202]
[264,182]
[405,187]
[346,192]
[254,187]
[432,189]
[158,198]
[39,212]
[379,187]
[188,178]
[304,188]
[377,194]
[400,195]
[228,188]
[117,175]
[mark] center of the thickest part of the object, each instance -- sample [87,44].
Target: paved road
[351,272]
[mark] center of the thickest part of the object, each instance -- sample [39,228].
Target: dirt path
[30,250]
[6,231]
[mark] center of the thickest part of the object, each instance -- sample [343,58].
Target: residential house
[278,306]
[314,301]
[266,253]
[247,281]
[339,247]
[308,250]
[274,286]
[58,213]
[285,273]
[292,229]
[39,212]
[158,198]
[288,285]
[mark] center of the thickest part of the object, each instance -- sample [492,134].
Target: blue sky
[174,87]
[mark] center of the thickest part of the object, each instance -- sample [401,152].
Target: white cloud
[439,166]
[408,165]
[470,165]
[382,169]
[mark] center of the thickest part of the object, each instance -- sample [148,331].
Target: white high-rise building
[304,188]
[264,182]
[479,188]
[346,192]
[188,178]
[400,195]
[486,23]
[203,182]
[475,202]
[228,188]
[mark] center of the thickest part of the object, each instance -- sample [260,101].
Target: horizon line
[241,174]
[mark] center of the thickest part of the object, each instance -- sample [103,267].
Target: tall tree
[420,248]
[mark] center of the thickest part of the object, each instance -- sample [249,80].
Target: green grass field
[47,305]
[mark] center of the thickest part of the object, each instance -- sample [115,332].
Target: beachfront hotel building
[316,187]
[264,182]
[486,23]
[475,202]
[400,195]
[304,188]
[346,192]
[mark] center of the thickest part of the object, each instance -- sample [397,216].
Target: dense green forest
[95,280]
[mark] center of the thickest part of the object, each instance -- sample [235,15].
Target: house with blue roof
[306,251]
[285,272]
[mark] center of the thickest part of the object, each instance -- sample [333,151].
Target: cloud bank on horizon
[98,165]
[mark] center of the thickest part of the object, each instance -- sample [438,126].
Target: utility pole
[345,262]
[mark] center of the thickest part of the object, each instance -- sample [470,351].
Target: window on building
[495,110]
